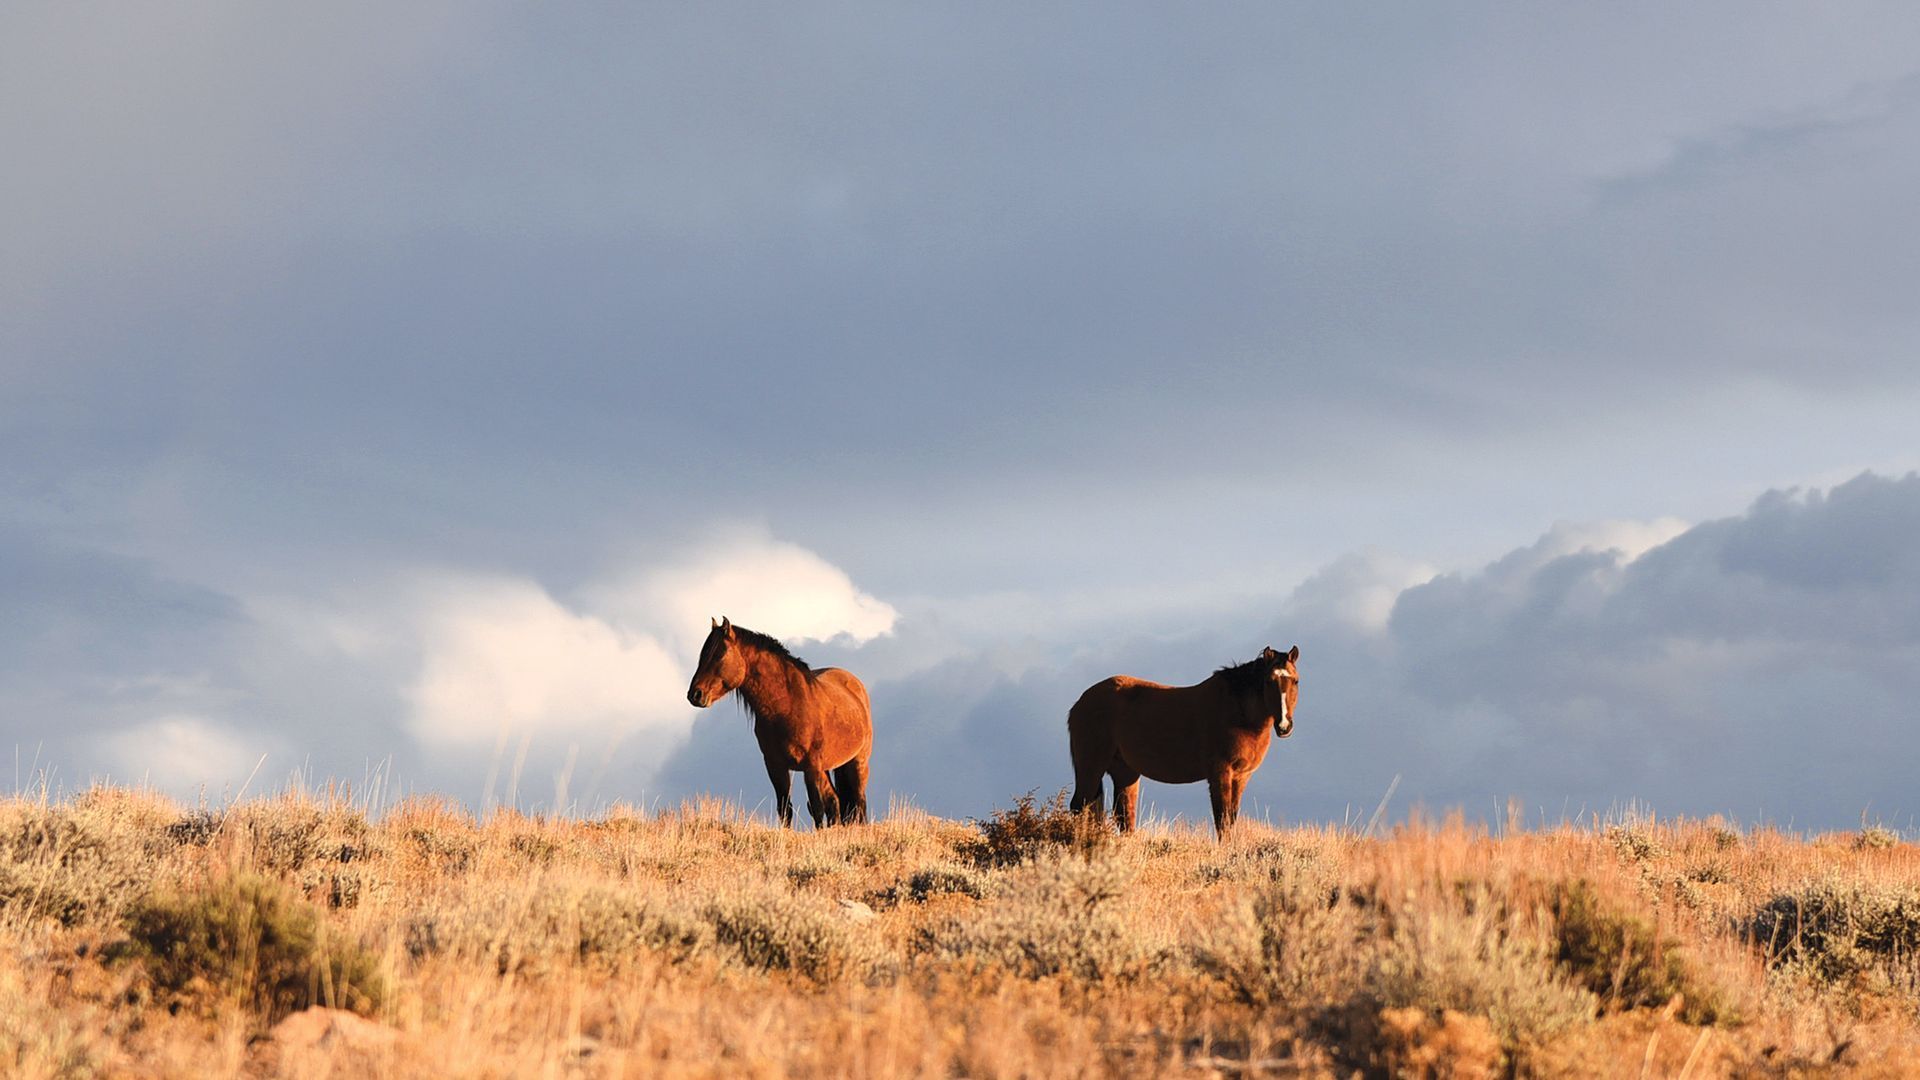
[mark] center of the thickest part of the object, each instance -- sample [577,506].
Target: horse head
[723,667]
[1282,686]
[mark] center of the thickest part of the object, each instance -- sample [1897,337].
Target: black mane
[771,644]
[1245,678]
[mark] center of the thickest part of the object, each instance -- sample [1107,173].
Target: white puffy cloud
[179,753]
[506,664]
[774,587]
[503,659]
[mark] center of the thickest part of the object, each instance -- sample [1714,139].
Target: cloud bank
[1764,665]
[457,681]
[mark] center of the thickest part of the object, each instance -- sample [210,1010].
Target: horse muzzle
[697,699]
[1284,728]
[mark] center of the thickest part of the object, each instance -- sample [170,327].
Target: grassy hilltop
[145,939]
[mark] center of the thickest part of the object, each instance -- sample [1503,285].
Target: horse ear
[1293,654]
[726,625]
[1268,653]
[714,621]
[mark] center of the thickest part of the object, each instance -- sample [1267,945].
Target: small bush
[1636,843]
[1712,872]
[1875,838]
[1261,861]
[287,836]
[1480,958]
[534,848]
[551,926]
[250,940]
[817,871]
[1016,835]
[773,930]
[1055,916]
[195,828]
[1844,933]
[944,879]
[66,864]
[449,853]
[1294,942]
[1619,957]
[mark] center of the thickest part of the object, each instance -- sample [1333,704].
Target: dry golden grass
[143,939]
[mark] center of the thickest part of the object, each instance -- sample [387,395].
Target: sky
[392,395]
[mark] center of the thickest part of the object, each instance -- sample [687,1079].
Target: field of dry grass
[295,935]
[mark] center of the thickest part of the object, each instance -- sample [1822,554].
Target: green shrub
[1619,957]
[250,940]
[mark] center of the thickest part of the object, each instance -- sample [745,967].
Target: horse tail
[1090,743]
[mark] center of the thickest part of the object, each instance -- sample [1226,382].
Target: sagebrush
[145,938]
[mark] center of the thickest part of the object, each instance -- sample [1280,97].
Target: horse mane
[1245,678]
[768,643]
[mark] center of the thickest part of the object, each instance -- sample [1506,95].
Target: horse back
[1167,733]
[847,711]
[846,684]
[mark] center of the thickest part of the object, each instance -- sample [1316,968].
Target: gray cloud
[1761,666]
[1044,327]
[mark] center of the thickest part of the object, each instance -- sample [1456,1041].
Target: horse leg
[822,803]
[1217,787]
[1126,798]
[782,791]
[850,783]
[1236,787]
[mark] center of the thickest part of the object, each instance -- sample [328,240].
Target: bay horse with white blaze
[1216,730]
[815,722]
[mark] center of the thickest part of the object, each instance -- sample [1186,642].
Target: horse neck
[1250,706]
[769,681]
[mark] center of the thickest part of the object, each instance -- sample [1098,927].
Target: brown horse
[816,722]
[1215,731]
